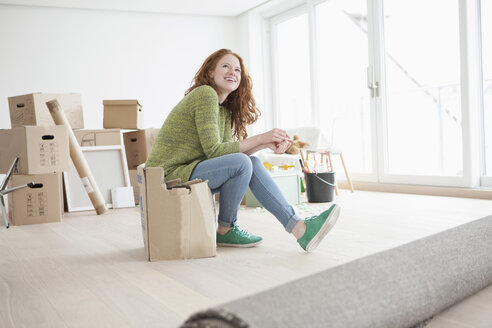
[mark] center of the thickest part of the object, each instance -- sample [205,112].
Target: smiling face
[227,75]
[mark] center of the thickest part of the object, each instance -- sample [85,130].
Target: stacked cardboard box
[138,145]
[31,109]
[42,147]
[36,205]
[122,114]
[98,137]
[43,154]
[43,151]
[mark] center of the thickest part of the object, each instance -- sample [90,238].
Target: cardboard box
[134,183]
[289,184]
[40,149]
[178,223]
[31,109]
[138,145]
[36,205]
[100,137]
[123,114]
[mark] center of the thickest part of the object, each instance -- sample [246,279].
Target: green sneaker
[317,227]
[238,238]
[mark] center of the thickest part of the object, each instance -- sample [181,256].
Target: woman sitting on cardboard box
[204,137]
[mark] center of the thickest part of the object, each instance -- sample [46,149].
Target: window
[293,77]
[423,87]
[342,59]
[407,128]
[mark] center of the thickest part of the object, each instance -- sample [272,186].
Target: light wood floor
[90,271]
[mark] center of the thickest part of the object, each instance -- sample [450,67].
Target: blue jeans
[230,175]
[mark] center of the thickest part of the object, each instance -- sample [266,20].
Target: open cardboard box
[177,223]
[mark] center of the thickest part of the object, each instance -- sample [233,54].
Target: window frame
[473,157]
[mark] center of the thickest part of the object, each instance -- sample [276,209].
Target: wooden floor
[90,271]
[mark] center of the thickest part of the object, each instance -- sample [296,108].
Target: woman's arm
[206,110]
[254,150]
[252,143]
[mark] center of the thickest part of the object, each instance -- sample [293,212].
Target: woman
[204,137]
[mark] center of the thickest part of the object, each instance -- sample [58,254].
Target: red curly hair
[240,102]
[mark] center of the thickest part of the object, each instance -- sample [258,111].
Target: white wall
[106,55]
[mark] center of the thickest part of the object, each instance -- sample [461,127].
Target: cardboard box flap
[127,102]
[155,174]
[186,184]
[174,182]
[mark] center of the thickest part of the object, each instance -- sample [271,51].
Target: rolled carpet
[399,287]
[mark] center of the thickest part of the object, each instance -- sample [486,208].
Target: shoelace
[242,233]
[311,218]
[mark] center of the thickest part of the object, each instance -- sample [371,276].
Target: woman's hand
[280,147]
[283,146]
[276,139]
[274,135]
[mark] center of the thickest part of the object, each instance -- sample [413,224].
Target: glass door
[293,78]
[486,28]
[344,111]
[422,134]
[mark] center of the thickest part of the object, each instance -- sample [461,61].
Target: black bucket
[320,186]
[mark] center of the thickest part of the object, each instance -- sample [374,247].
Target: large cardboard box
[99,137]
[178,223]
[122,114]
[40,149]
[36,205]
[138,145]
[31,109]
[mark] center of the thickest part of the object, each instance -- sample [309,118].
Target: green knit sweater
[198,128]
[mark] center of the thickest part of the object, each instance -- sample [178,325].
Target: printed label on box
[48,153]
[36,204]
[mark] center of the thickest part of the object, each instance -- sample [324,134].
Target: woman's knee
[256,163]
[242,162]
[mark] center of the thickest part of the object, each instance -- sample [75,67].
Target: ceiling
[189,7]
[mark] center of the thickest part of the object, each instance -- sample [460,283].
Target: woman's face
[227,74]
